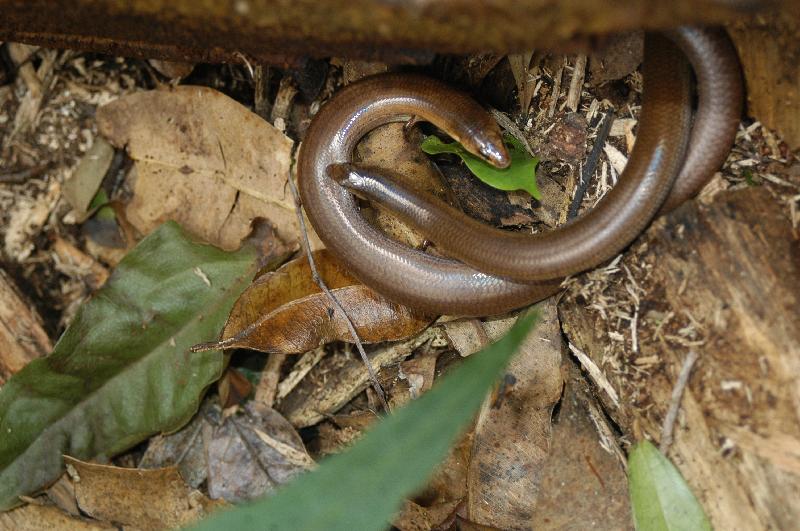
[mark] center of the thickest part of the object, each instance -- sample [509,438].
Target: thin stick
[576,83]
[675,401]
[318,280]
[556,91]
[591,164]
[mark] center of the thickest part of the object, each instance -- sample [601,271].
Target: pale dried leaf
[203,160]
[146,499]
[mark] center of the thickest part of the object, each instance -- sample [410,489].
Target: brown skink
[495,271]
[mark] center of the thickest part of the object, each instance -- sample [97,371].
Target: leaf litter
[325,389]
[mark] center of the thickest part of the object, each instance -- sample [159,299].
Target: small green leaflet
[660,498]
[520,175]
[362,487]
[122,371]
[100,204]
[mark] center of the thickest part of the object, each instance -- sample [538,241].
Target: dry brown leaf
[242,454]
[146,499]
[286,312]
[203,160]
[396,148]
[252,454]
[34,517]
[512,433]
[186,448]
[233,388]
[414,517]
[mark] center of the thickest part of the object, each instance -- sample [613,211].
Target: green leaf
[520,175]
[660,498]
[362,487]
[122,370]
[100,203]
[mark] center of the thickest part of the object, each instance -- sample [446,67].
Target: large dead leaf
[146,499]
[252,454]
[512,433]
[285,312]
[241,456]
[204,160]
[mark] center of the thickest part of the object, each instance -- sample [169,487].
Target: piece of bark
[617,56]
[287,33]
[769,49]
[22,338]
[721,280]
[581,470]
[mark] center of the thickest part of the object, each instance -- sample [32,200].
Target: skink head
[487,143]
[495,154]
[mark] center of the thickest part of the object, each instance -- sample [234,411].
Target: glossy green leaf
[122,371]
[520,175]
[660,498]
[362,487]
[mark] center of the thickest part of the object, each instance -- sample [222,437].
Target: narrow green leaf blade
[520,175]
[362,487]
[122,371]
[660,498]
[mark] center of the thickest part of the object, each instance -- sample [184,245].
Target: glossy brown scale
[493,271]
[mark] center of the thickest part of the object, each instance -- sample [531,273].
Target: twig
[556,91]
[261,76]
[299,371]
[19,177]
[591,164]
[595,374]
[675,401]
[318,280]
[267,387]
[608,441]
[576,83]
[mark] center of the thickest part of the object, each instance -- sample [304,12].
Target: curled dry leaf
[286,312]
[204,160]
[81,186]
[145,499]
